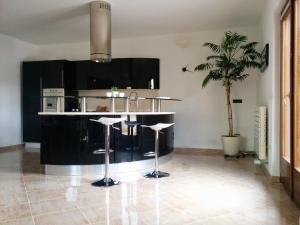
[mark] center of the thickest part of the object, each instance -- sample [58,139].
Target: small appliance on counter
[101,108]
[53,100]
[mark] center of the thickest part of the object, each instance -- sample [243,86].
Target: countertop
[101,113]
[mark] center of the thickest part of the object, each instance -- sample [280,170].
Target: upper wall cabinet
[58,74]
[137,73]
[51,74]
[144,73]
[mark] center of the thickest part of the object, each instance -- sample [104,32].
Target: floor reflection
[202,190]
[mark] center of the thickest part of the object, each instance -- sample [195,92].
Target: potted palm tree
[230,62]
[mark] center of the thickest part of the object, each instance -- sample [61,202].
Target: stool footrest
[102,151]
[149,154]
[157,174]
[105,182]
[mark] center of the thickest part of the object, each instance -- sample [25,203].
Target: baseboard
[12,148]
[32,145]
[200,151]
[271,179]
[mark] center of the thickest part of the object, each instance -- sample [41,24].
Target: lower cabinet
[31,127]
[71,140]
[62,140]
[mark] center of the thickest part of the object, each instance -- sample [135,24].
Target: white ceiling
[61,21]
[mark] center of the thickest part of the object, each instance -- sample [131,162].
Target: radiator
[260,134]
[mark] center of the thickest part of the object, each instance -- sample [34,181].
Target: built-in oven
[53,100]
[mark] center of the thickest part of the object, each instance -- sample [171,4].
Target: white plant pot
[231,145]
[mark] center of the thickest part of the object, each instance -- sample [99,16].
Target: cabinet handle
[62,79]
[41,94]
[85,139]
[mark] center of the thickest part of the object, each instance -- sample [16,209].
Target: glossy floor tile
[202,190]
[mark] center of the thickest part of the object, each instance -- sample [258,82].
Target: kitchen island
[70,138]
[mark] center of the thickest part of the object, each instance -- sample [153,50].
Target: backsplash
[143,105]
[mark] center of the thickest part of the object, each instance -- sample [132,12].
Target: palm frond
[250,45]
[231,41]
[206,80]
[213,75]
[204,66]
[250,64]
[242,76]
[220,57]
[215,48]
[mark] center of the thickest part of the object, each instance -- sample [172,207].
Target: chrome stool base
[107,122]
[102,151]
[105,182]
[149,154]
[157,174]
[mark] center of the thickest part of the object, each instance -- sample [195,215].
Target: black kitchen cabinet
[37,75]
[52,74]
[144,73]
[121,70]
[31,101]
[66,138]
[101,76]
[137,73]
[31,128]
[92,75]
[58,74]
[71,140]
[31,87]
[82,69]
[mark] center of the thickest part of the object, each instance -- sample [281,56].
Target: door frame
[283,163]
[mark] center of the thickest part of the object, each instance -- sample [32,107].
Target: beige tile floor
[202,190]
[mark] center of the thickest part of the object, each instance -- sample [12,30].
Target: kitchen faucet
[135,98]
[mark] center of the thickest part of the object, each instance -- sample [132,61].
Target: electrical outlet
[237,101]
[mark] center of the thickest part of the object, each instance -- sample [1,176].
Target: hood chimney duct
[100,31]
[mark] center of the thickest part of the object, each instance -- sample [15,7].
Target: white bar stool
[157,128]
[107,121]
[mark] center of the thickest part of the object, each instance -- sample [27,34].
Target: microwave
[53,100]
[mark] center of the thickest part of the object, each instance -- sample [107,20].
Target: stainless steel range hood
[100,31]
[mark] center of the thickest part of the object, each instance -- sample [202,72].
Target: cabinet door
[95,137]
[31,127]
[82,69]
[61,140]
[95,134]
[31,87]
[101,76]
[53,73]
[120,71]
[145,73]
[31,101]
[69,78]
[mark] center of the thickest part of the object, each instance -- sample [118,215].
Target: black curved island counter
[69,140]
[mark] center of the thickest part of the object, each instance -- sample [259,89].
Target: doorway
[290,99]
[285,98]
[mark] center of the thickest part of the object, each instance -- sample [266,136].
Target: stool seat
[107,121]
[159,126]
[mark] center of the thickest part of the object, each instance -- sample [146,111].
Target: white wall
[12,52]
[201,116]
[268,84]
